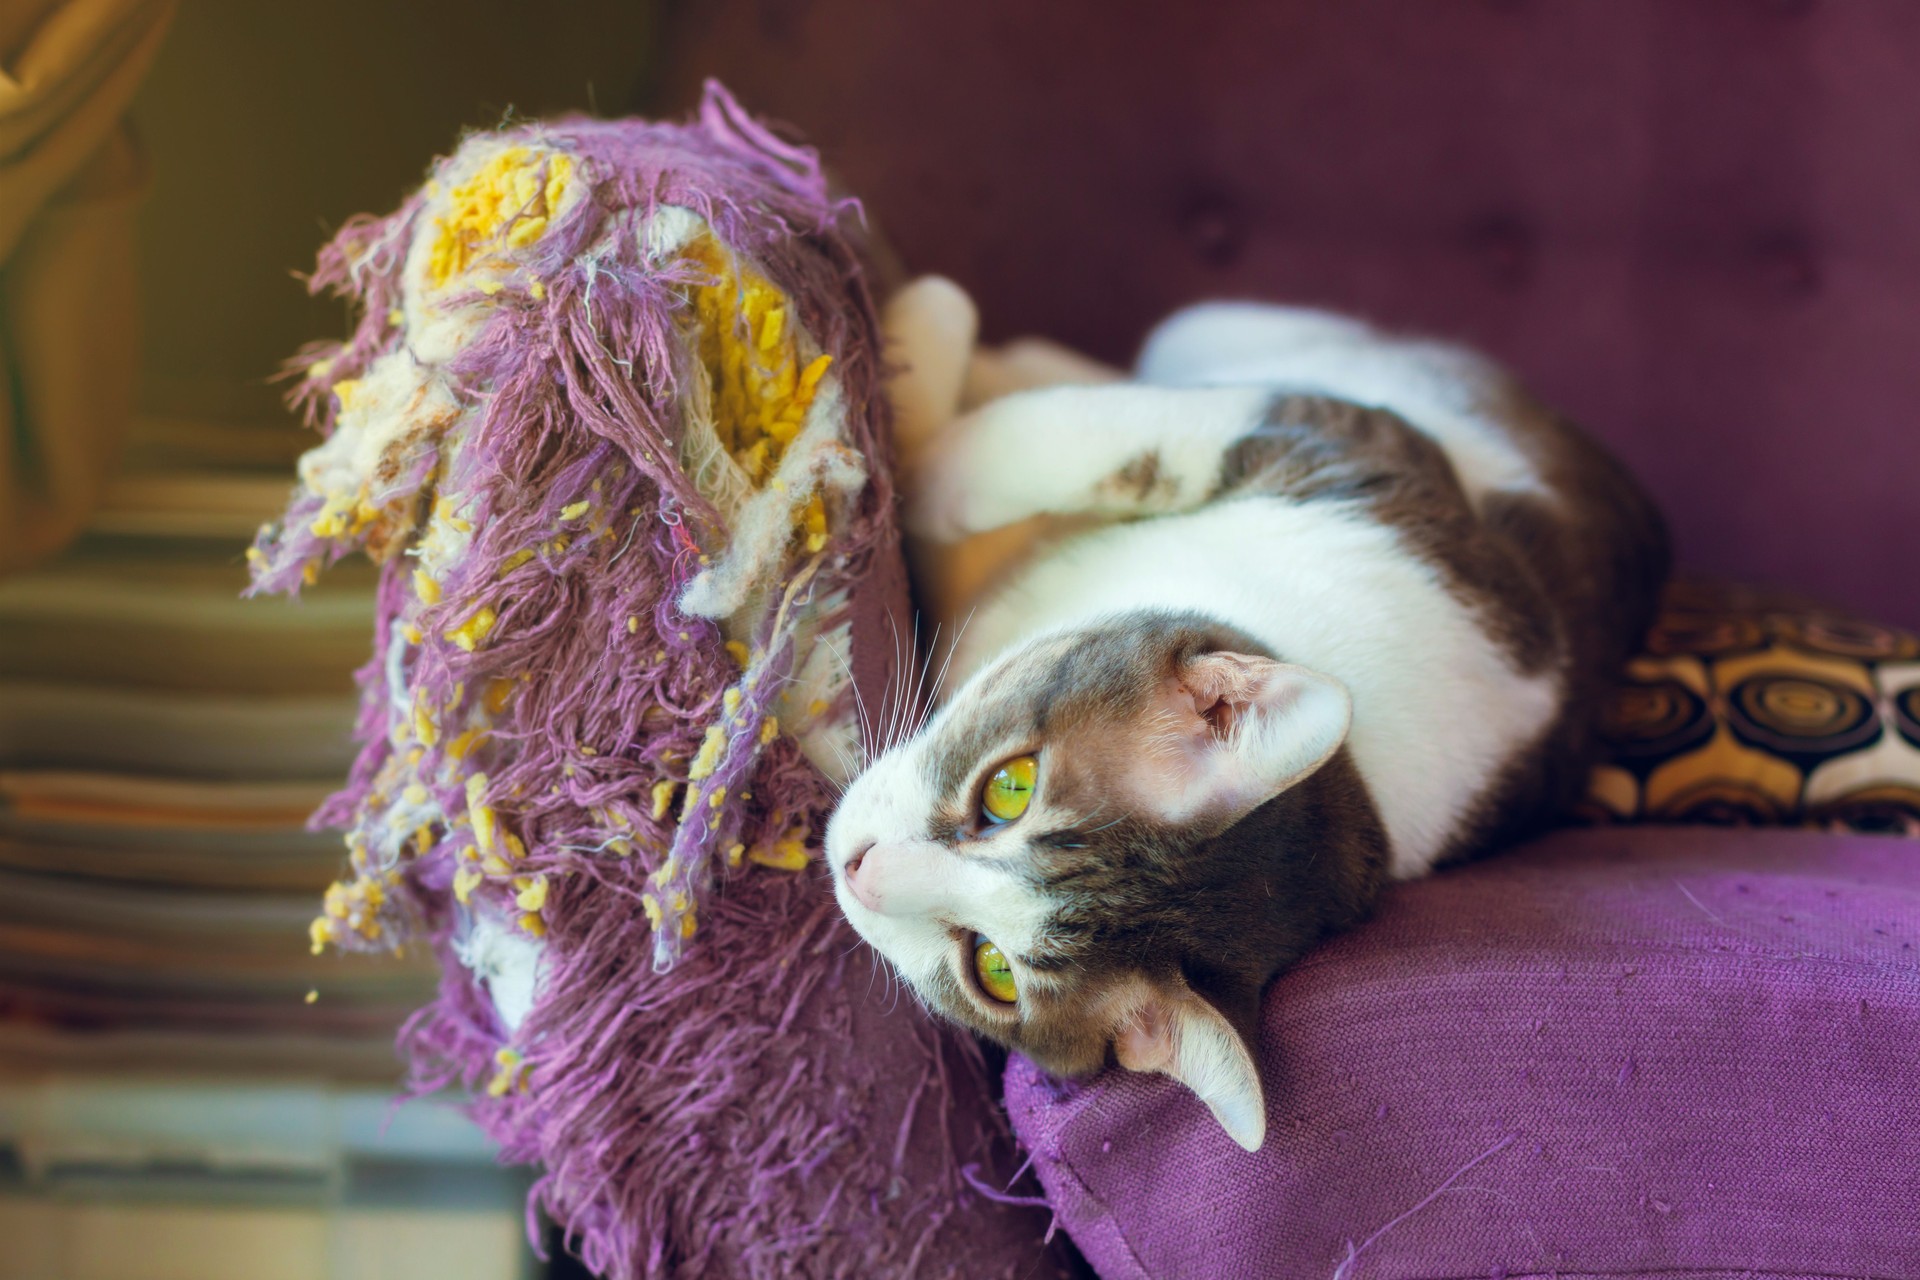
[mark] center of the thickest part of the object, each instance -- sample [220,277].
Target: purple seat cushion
[1621,1052]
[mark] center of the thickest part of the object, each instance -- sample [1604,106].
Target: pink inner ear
[1228,677]
[1194,714]
[1146,1042]
[1215,690]
[1182,709]
[1229,731]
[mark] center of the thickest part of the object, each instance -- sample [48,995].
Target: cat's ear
[1238,730]
[1180,1033]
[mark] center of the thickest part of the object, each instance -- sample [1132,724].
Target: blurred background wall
[270,124]
[184,1090]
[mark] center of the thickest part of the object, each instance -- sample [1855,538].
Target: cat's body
[1349,619]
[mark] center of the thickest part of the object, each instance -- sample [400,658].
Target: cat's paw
[986,471]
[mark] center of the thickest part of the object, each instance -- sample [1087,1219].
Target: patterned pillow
[1753,707]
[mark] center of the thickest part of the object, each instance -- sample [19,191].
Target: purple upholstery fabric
[1620,1052]
[1695,226]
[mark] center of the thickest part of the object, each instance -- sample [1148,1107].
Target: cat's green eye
[995,974]
[1007,792]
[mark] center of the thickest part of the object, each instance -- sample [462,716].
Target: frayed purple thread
[1343,1271]
[688,1120]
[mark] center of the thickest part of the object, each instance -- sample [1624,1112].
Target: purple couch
[1696,225]
[1621,1053]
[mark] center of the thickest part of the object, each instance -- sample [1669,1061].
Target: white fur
[1437,709]
[1052,450]
[1217,1065]
[1440,390]
[930,326]
[892,803]
[393,401]
[1026,364]
[1180,1035]
[670,230]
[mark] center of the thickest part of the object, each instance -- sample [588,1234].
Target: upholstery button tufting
[1788,266]
[781,20]
[1214,227]
[1505,249]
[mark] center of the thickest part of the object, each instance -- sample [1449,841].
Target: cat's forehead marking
[1075,696]
[1010,708]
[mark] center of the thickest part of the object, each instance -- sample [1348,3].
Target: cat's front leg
[1119,450]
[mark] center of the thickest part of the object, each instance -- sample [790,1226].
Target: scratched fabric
[1622,1052]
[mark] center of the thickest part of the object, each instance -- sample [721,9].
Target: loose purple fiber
[692,1092]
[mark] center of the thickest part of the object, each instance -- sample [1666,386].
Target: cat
[1341,614]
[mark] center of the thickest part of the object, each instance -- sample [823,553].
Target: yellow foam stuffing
[531,892]
[470,633]
[761,393]
[708,757]
[345,515]
[479,813]
[426,729]
[813,522]
[352,905]
[789,854]
[461,747]
[497,694]
[515,193]
[510,1073]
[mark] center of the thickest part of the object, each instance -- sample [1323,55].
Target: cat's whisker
[925,691]
[846,765]
[909,677]
[895,690]
[864,724]
[907,708]
[931,695]
[946,665]
[916,706]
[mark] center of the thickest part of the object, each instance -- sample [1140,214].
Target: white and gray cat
[1343,617]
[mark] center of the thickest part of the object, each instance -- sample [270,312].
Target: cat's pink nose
[863,887]
[899,878]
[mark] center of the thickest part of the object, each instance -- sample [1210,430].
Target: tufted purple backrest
[1696,226]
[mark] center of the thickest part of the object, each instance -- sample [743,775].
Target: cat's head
[1107,841]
